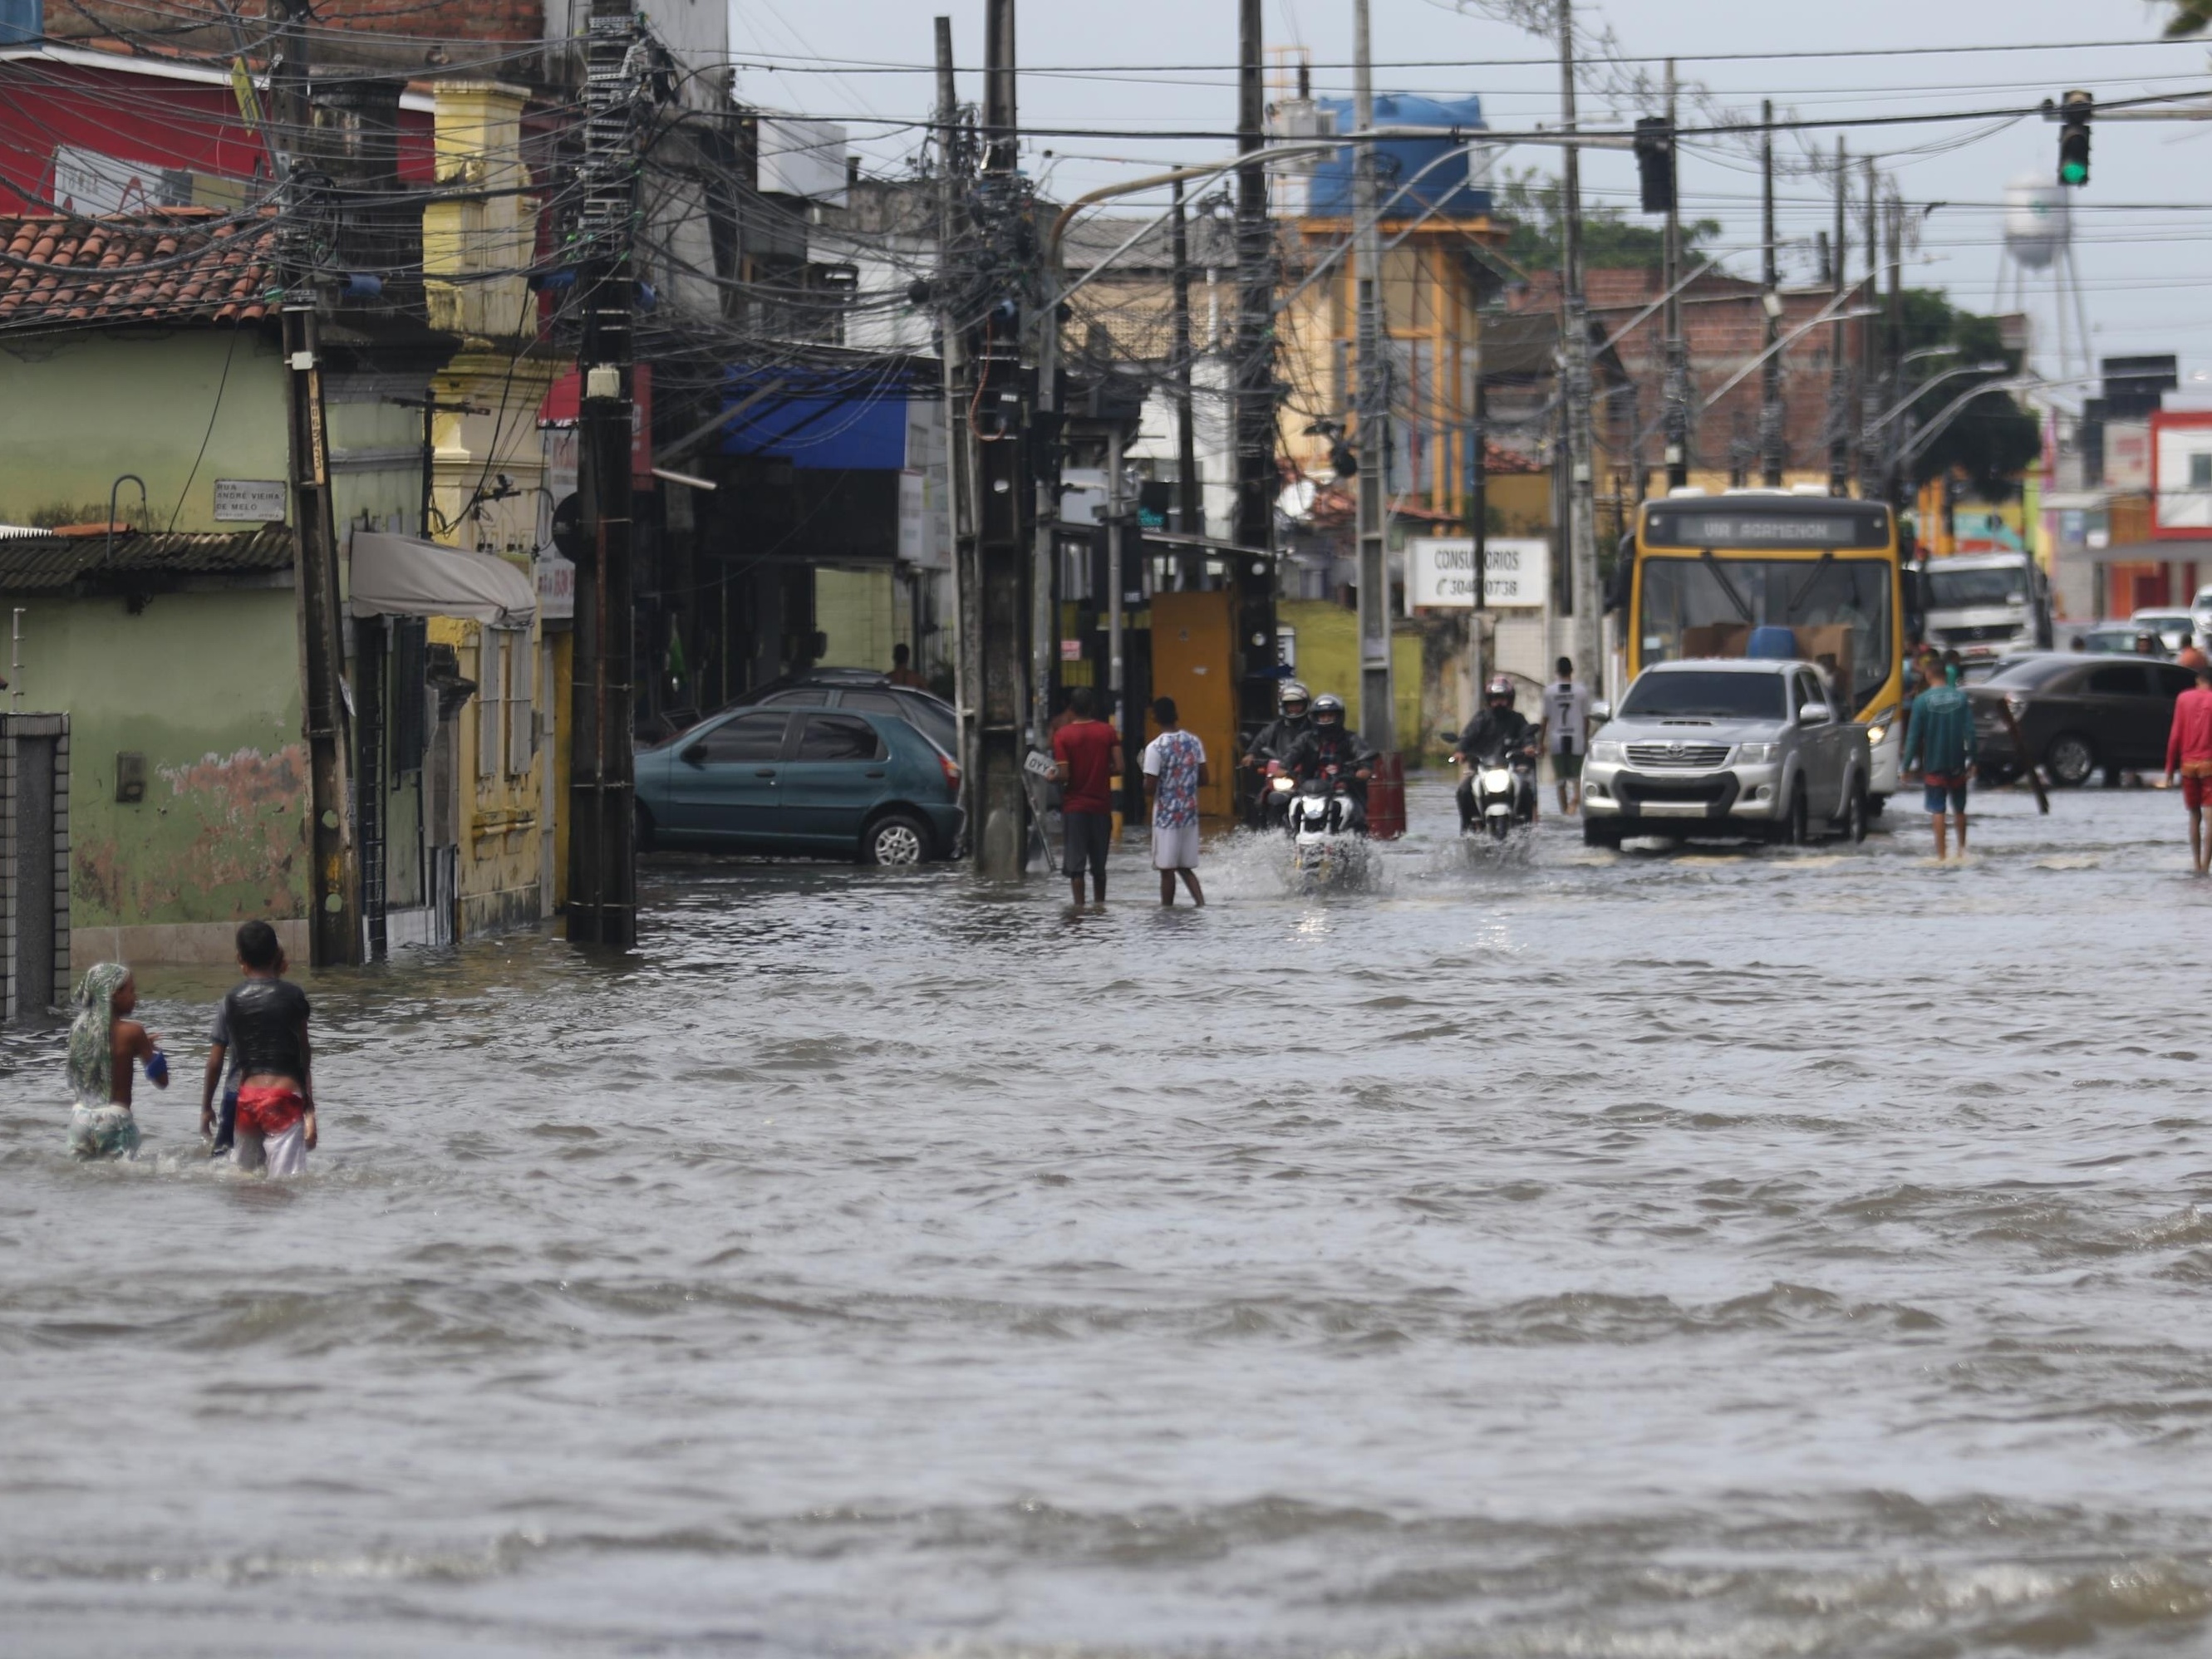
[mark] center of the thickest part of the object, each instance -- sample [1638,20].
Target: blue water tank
[1773,642]
[1448,186]
[21,20]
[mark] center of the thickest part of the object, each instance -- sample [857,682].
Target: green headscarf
[92,1034]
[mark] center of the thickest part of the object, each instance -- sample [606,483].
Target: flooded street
[1727,1252]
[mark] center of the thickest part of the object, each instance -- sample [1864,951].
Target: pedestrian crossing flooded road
[1539,1251]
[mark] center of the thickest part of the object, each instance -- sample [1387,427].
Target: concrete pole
[1377,705]
[1115,506]
[1770,371]
[1839,374]
[1677,371]
[959,439]
[1582,482]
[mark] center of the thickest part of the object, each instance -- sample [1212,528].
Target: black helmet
[1500,685]
[1326,704]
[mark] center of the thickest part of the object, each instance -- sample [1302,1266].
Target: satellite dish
[2037,226]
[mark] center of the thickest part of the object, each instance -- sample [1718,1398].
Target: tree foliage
[2190,17]
[1993,439]
[1610,240]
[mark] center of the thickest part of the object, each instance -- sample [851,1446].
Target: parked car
[2174,626]
[1734,746]
[2079,714]
[2200,614]
[817,780]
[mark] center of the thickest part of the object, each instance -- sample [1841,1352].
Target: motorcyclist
[1331,743]
[1275,742]
[1499,731]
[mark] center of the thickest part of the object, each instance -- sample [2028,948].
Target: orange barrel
[1385,798]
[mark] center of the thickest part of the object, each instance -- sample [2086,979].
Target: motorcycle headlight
[1608,754]
[1498,778]
[1757,754]
[1282,786]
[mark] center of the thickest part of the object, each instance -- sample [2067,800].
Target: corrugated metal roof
[170,264]
[43,561]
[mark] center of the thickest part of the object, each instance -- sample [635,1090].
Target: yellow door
[1192,636]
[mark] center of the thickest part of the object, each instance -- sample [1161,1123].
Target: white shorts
[284,1154]
[1177,848]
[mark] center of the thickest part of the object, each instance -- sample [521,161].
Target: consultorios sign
[1517,572]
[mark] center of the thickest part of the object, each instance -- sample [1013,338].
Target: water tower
[2038,251]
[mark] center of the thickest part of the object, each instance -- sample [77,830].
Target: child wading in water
[105,1047]
[265,1017]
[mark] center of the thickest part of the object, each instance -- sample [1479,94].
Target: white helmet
[1292,691]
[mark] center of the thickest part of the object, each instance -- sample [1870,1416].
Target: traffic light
[1655,162]
[2074,110]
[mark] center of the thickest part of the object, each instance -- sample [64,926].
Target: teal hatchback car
[810,782]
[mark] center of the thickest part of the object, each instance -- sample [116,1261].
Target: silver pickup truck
[1727,747]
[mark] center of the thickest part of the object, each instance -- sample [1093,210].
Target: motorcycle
[1504,792]
[1327,827]
[1271,800]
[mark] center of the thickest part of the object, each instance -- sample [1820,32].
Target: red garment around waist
[269,1111]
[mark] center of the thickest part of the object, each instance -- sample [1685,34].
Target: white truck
[1984,605]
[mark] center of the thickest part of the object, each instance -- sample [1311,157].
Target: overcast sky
[2142,234]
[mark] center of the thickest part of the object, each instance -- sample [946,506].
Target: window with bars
[521,704]
[491,695]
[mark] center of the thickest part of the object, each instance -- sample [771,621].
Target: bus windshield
[1837,608]
[1959,590]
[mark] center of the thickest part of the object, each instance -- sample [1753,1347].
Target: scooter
[1327,829]
[1505,786]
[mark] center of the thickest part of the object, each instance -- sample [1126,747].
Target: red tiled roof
[172,264]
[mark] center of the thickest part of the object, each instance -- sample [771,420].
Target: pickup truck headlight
[1608,754]
[1757,754]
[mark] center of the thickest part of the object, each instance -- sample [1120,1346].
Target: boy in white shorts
[1174,769]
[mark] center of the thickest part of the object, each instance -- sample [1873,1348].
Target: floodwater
[1724,1252]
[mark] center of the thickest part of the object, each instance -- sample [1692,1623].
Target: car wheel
[1596,834]
[896,839]
[647,842]
[1855,813]
[1794,829]
[2070,759]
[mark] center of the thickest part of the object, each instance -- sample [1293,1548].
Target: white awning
[400,576]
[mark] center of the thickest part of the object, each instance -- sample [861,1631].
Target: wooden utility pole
[1003,493]
[1839,374]
[1677,428]
[335,926]
[1257,655]
[1190,498]
[1771,455]
[1582,481]
[1870,456]
[602,811]
[1378,723]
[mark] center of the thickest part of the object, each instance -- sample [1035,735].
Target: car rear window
[839,737]
[1706,693]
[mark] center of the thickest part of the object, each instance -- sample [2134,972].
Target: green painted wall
[206,686]
[857,609]
[1328,660]
[81,408]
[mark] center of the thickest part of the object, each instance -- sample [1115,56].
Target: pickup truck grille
[1705,755]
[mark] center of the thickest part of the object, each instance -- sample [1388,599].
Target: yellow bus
[1710,569]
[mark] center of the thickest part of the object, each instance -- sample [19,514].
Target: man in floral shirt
[1174,768]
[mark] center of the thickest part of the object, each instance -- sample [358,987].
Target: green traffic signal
[2076,109]
[2073,172]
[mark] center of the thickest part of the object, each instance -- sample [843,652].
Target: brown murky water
[1728,1254]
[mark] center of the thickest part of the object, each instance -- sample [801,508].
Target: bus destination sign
[1706,527]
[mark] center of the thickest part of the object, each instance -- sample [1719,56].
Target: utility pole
[1190,501]
[1677,431]
[955,162]
[1839,424]
[602,816]
[1004,562]
[1476,492]
[1581,496]
[1869,378]
[1376,709]
[1257,656]
[335,926]
[1893,438]
[1769,372]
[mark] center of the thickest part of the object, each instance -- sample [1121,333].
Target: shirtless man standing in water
[266,1018]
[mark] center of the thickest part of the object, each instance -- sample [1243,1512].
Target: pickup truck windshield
[1961,590]
[1695,693]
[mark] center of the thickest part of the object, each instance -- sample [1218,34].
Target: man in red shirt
[1089,755]
[2189,751]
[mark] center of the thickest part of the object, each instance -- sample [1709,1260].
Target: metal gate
[34,864]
